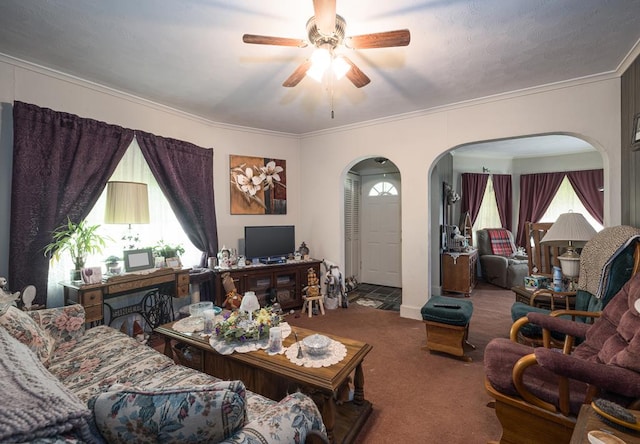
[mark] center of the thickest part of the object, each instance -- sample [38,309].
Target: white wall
[60,93]
[318,163]
[590,111]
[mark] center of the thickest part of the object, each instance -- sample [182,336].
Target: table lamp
[127,203]
[570,230]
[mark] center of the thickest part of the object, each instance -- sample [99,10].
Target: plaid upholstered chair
[498,260]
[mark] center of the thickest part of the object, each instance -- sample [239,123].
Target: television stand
[283,281]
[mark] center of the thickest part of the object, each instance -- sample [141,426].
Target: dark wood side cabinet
[459,271]
[286,281]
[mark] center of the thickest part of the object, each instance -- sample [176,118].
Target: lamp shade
[127,203]
[569,229]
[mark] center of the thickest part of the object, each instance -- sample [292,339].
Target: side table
[542,301]
[589,420]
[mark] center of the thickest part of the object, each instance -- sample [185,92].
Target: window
[488,216]
[383,189]
[163,222]
[567,200]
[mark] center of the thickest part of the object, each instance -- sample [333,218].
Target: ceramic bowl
[316,345]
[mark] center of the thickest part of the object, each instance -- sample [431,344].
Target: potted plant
[79,240]
[166,250]
[113,265]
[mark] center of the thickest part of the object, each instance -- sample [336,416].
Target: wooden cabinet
[459,271]
[282,281]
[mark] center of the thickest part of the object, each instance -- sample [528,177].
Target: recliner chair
[539,391]
[503,271]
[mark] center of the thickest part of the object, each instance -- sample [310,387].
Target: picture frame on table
[635,133]
[135,260]
[173,262]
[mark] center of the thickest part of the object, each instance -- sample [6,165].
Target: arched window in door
[383,189]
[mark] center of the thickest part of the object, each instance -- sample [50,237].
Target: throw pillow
[171,415]
[22,327]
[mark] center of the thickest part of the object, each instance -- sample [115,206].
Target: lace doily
[226,348]
[191,324]
[337,352]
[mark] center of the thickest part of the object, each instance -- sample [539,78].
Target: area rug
[369,302]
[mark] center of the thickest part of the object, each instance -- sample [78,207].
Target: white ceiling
[538,146]
[189,55]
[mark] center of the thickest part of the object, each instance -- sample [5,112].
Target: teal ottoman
[447,324]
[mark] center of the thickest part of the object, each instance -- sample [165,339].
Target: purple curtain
[502,188]
[473,187]
[61,164]
[536,193]
[587,185]
[185,174]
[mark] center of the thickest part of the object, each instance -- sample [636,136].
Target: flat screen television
[269,244]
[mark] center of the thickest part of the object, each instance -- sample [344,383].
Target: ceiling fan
[326,31]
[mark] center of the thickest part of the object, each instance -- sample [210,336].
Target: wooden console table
[276,376]
[284,281]
[166,283]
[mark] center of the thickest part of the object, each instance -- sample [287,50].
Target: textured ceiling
[189,55]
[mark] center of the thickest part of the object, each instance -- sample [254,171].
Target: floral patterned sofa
[62,383]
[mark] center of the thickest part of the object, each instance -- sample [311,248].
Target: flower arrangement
[242,326]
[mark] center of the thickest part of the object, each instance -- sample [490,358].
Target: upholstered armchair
[539,391]
[500,266]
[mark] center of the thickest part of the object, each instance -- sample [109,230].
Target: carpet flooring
[418,396]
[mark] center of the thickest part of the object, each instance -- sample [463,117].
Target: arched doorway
[373,222]
[514,156]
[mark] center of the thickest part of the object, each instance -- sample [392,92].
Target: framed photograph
[635,136]
[173,262]
[135,260]
[92,275]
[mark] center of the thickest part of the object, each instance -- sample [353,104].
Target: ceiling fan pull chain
[331,92]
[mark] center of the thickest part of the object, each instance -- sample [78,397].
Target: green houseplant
[113,265]
[167,251]
[79,240]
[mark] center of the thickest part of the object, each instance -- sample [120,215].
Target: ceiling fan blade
[401,37]
[325,13]
[279,41]
[298,74]
[357,77]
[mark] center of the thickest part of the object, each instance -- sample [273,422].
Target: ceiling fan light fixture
[320,62]
[340,67]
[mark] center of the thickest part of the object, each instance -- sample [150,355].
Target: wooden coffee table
[276,376]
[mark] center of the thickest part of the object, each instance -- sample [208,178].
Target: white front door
[381,236]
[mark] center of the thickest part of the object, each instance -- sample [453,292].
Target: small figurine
[313,284]
[233,299]
[304,251]
[6,297]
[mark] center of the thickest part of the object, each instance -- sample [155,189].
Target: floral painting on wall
[258,185]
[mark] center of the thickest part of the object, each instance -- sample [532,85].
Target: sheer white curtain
[163,224]
[488,216]
[567,200]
